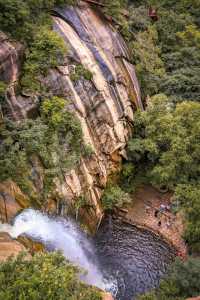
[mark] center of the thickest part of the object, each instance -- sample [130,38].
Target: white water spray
[59,234]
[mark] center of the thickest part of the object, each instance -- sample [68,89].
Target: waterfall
[60,234]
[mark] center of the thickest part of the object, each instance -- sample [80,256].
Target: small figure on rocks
[147,209]
[159,223]
[162,208]
[168,224]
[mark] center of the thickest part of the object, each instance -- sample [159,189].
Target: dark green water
[135,259]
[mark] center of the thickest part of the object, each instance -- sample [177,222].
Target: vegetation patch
[46,51]
[55,138]
[80,72]
[45,276]
[181,283]
[114,196]
[3,87]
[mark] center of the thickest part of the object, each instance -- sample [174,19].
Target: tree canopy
[181,282]
[46,276]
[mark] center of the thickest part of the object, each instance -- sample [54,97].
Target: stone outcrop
[9,247]
[108,296]
[12,200]
[104,105]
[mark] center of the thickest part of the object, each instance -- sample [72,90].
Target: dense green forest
[164,150]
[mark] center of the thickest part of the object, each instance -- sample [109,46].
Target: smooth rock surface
[104,105]
[12,200]
[9,247]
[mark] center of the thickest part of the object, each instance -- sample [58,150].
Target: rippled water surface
[136,259]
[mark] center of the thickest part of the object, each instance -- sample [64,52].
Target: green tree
[182,281]
[187,196]
[114,196]
[46,51]
[21,19]
[158,140]
[46,276]
[54,138]
[146,56]
[165,150]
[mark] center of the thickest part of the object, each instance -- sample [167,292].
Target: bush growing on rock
[46,276]
[3,87]
[54,138]
[80,72]
[46,51]
[114,196]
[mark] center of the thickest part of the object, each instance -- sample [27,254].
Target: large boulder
[107,296]
[12,200]
[9,247]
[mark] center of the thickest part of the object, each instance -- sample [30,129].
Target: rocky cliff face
[104,105]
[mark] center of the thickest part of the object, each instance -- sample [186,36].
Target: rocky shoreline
[141,213]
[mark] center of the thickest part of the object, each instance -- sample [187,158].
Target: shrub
[146,57]
[3,87]
[21,19]
[183,281]
[114,196]
[55,138]
[87,151]
[80,72]
[188,195]
[46,276]
[46,51]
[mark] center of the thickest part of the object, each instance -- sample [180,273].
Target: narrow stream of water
[121,258]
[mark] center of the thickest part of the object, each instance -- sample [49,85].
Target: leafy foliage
[3,87]
[146,55]
[21,19]
[187,196]
[45,52]
[80,72]
[183,281]
[114,196]
[174,54]
[165,149]
[158,140]
[44,277]
[55,138]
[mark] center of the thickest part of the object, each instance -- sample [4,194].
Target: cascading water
[122,259]
[59,234]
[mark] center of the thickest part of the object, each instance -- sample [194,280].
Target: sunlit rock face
[104,105]
[12,201]
[9,247]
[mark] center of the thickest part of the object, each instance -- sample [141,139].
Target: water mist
[59,234]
